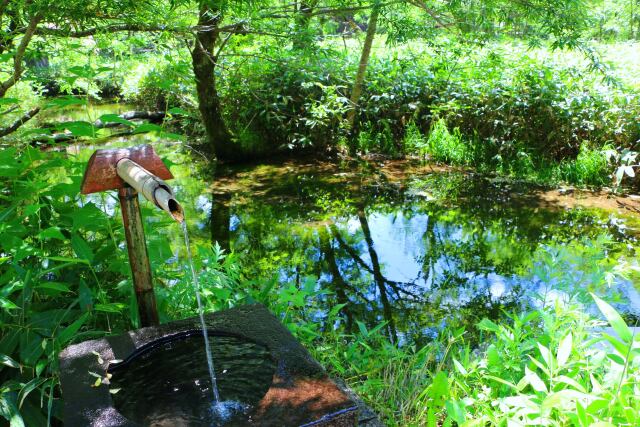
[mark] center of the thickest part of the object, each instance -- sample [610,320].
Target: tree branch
[21,121]
[17,57]
[422,5]
[237,28]
[114,28]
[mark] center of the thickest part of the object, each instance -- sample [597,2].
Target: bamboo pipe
[150,186]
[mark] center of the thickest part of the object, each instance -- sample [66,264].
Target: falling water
[196,285]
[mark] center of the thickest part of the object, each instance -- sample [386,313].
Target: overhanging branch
[21,121]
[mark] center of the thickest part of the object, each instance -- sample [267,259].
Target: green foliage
[591,167]
[550,366]
[517,111]
[445,146]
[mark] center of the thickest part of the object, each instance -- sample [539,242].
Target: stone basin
[290,388]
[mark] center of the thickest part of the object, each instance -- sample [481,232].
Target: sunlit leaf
[564,350]
[615,320]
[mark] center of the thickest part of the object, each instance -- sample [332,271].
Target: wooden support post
[138,257]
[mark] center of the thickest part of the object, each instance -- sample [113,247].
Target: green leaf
[88,216]
[493,357]
[178,111]
[614,319]
[501,381]
[81,247]
[7,101]
[460,368]
[114,118]
[147,127]
[456,410]
[571,382]
[78,128]
[7,361]
[616,358]
[51,233]
[113,307]
[54,286]
[70,331]
[546,355]
[487,325]
[564,350]
[7,305]
[535,381]
[362,328]
[82,71]
[28,388]
[10,411]
[439,388]
[85,296]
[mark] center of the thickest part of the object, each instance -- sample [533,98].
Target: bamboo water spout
[150,186]
[131,171]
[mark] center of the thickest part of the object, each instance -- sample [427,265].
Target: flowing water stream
[205,334]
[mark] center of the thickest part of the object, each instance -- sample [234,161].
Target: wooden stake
[138,257]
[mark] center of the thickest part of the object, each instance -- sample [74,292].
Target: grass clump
[445,146]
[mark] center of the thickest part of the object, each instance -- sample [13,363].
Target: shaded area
[167,383]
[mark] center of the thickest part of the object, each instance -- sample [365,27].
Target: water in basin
[167,384]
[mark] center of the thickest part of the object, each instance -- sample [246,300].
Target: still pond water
[412,245]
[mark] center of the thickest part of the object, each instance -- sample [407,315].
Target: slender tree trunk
[338,282]
[378,278]
[356,92]
[204,66]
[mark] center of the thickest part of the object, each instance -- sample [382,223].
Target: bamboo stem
[152,188]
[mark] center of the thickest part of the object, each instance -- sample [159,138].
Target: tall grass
[591,167]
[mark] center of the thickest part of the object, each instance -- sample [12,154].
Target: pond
[409,244]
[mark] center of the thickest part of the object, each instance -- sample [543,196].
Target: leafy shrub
[519,108]
[445,146]
[591,167]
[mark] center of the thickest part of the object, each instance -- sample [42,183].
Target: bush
[445,146]
[518,108]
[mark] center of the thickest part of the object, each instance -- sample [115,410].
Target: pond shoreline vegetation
[294,131]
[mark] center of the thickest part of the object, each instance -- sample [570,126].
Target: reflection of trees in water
[464,243]
[220,220]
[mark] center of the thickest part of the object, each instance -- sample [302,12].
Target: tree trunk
[362,67]
[378,278]
[220,220]
[204,65]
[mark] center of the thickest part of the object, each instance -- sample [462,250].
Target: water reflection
[413,252]
[414,246]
